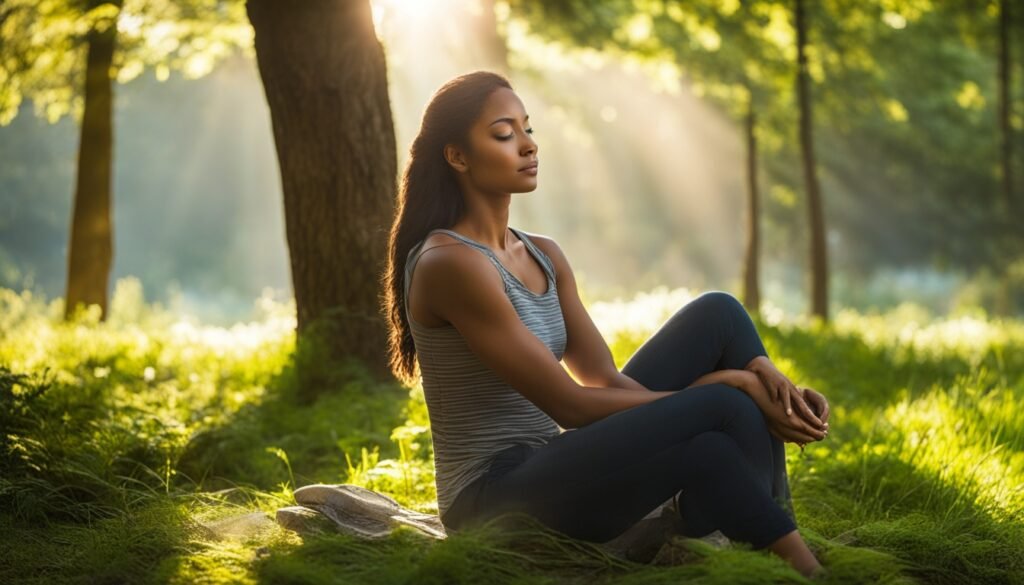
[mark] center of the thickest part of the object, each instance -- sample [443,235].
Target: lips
[532,165]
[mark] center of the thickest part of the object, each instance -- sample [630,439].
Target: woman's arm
[620,380]
[586,354]
[470,295]
[734,378]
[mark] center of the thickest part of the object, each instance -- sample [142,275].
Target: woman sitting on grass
[699,412]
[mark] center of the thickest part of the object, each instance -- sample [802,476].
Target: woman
[488,311]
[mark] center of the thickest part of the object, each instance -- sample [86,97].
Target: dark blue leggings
[709,444]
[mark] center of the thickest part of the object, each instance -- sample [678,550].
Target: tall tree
[325,80]
[1005,131]
[752,253]
[43,46]
[90,253]
[733,51]
[816,218]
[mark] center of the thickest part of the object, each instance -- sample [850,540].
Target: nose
[531,145]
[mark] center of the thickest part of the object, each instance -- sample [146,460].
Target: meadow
[131,448]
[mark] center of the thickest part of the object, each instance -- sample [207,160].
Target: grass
[127,443]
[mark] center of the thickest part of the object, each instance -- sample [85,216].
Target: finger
[805,433]
[771,390]
[817,404]
[816,433]
[796,436]
[786,403]
[820,404]
[801,438]
[805,410]
[804,429]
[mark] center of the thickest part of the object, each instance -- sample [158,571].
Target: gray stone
[304,520]
[358,511]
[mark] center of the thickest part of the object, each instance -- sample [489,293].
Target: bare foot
[793,549]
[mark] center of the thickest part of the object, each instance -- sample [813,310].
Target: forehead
[502,103]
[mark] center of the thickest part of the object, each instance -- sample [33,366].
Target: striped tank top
[473,413]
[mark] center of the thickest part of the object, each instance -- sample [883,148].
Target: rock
[357,511]
[656,539]
[642,541]
[676,552]
[304,520]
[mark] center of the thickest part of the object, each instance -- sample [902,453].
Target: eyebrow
[509,120]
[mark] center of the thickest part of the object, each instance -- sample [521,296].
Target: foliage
[904,112]
[44,45]
[152,428]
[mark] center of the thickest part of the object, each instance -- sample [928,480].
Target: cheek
[498,159]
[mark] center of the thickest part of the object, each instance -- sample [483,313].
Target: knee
[709,450]
[731,399]
[737,407]
[719,300]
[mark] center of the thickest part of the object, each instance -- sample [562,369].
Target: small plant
[284,457]
[19,393]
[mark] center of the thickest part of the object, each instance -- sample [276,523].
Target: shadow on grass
[515,549]
[315,410]
[511,548]
[109,551]
[874,500]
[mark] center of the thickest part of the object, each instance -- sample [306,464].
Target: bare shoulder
[448,274]
[445,255]
[550,247]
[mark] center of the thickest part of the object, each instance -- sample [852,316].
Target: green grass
[125,442]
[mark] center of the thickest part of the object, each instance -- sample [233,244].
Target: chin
[528,183]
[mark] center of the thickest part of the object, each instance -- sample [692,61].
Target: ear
[455,158]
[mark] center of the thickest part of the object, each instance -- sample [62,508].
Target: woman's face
[500,147]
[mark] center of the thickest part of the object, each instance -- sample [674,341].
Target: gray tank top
[473,413]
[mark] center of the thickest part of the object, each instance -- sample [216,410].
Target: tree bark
[90,251]
[1005,132]
[325,79]
[818,251]
[751,265]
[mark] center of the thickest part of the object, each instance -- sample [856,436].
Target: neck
[486,221]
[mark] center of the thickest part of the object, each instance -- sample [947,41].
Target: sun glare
[417,13]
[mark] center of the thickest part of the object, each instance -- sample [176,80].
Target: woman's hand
[818,404]
[789,428]
[779,387]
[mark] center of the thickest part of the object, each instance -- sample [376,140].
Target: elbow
[568,422]
[572,415]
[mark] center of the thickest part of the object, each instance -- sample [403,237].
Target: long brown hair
[429,197]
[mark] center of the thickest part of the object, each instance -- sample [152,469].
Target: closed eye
[509,137]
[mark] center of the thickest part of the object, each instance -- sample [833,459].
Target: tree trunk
[751,288]
[818,251]
[1003,306]
[325,80]
[1005,131]
[493,54]
[90,252]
